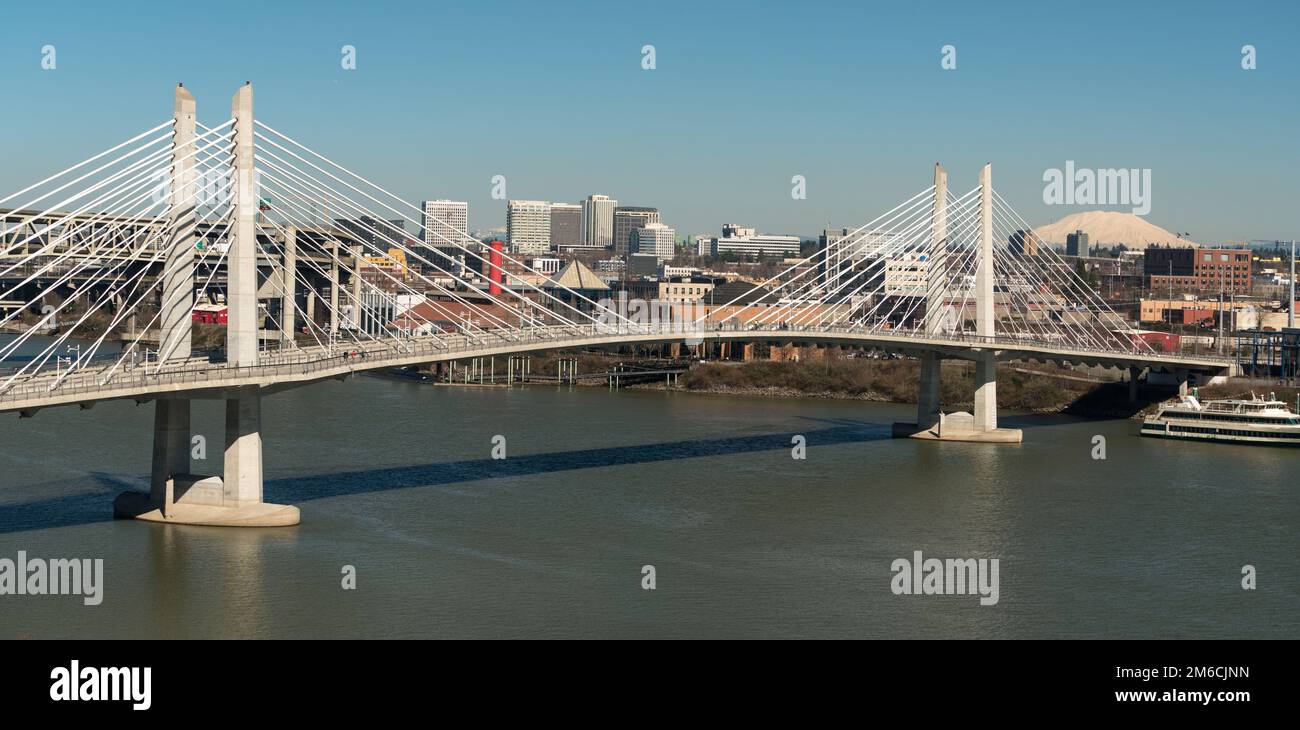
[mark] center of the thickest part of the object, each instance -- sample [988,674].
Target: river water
[397,480]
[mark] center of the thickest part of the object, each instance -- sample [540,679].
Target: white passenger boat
[1239,421]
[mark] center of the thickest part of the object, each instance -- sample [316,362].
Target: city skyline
[724,321]
[1013,98]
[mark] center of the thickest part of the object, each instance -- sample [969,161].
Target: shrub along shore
[1037,389]
[1024,388]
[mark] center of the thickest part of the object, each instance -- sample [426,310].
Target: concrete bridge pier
[986,391]
[242,486]
[982,425]
[171,444]
[933,424]
[171,464]
[928,403]
[179,497]
[176,496]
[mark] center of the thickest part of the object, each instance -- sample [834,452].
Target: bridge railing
[315,359]
[1000,341]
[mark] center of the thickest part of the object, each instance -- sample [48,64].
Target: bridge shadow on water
[95,506]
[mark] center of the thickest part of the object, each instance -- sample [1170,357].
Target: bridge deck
[193,377]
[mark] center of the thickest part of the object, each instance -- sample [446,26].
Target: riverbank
[1025,388]
[1038,389]
[1022,388]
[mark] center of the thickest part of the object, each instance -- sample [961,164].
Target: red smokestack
[494,267]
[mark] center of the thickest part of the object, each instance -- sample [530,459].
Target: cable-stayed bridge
[119,252]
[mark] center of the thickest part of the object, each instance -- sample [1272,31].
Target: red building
[1159,341]
[209,314]
[1198,270]
[1226,269]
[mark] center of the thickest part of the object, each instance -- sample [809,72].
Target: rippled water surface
[396,479]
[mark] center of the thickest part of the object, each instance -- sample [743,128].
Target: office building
[679,272]
[446,223]
[1076,244]
[1188,269]
[545,265]
[377,235]
[528,226]
[685,289]
[1024,243]
[627,219]
[566,225]
[656,239]
[642,264]
[1170,269]
[704,245]
[839,249]
[598,221]
[611,266]
[905,275]
[746,243]
[1224,270]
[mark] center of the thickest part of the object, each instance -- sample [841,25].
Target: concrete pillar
[334,287]
[1181,377]
[1290,306]
[171,443]
[986,391]
[311,306]
[986,385]
[927,399]
[936,267]
[242,478]
[178,269]
[984,311]
[241,291]
[235,500]
[356,286]
[171,430]
[287,306]
[1133,373]
[243,465]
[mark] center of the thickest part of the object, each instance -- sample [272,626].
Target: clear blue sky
[552,95]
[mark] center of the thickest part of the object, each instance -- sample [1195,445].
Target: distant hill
[1109,228]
